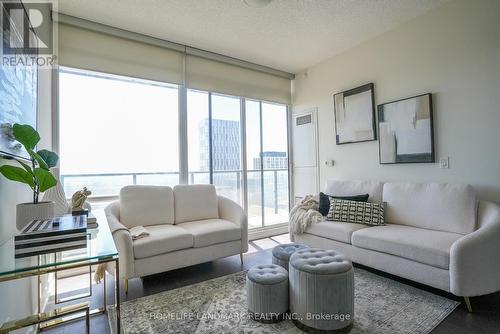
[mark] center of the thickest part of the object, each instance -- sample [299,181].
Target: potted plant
[36,174]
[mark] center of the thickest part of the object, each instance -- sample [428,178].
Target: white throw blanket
[304,214]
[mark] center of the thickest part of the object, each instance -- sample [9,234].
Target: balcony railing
[227,182]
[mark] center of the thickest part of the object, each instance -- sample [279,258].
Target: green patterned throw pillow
[356,212]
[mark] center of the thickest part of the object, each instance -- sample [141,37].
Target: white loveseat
[188,224]
[436,234]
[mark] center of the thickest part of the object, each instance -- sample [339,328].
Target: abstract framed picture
[18,91]
[354,112]
[406,131]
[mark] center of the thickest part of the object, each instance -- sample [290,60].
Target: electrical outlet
[330,163]
[444,163]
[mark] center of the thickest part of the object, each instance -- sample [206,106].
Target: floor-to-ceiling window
[226,146]
[115,131]
[198,137]
[214,142]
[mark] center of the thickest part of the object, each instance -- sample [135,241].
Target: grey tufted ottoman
[267,292]
[321,290]
[282,253]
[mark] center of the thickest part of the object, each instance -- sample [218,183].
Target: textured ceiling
[290,35]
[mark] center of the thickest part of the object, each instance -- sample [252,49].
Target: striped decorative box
[43,236]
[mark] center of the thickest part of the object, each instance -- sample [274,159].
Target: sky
[112,125]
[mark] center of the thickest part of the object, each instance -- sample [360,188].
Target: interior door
[305,154]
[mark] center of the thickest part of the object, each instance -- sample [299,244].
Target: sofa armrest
[475,258]
[231,211]
[122,238]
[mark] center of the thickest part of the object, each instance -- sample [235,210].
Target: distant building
[226,151]
[271,160]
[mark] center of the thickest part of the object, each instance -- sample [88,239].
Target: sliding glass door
[215,132]
[267,163]
[253,164]
[274,161]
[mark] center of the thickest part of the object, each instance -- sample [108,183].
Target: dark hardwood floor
[484,319]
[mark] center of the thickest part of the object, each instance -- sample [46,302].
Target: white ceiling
[289,35]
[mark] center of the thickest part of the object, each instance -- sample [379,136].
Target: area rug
[382,306]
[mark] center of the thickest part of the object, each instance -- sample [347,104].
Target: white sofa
[188,224]
[436,234]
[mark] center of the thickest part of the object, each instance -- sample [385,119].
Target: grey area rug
[219,305]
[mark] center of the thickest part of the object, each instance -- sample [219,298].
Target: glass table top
[100,246]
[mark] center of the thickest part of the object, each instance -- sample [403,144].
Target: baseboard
[267,232]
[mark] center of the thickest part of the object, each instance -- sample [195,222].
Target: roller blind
[210,75]
[86,49]
[95,51]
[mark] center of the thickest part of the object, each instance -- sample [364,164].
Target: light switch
[444,163]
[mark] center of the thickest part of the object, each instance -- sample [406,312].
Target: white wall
[452,52]
[18,297]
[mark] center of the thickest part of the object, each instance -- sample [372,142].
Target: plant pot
[26,212]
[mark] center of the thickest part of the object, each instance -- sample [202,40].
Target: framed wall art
[354,111]
[406,131]
[18,90]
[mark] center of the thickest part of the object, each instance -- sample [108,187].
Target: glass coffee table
[100,249]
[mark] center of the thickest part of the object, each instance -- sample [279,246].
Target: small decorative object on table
[43,236]
[36,174]
[78,200]
[91,221]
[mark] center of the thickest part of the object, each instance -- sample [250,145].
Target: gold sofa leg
[126,286]
[467,303]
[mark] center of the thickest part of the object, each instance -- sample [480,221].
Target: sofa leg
[126,286]
[241,259]
[467,303]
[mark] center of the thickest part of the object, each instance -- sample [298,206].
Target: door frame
[314,117]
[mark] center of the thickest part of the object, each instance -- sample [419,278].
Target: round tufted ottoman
[321,290]
[267,292]
[282,253]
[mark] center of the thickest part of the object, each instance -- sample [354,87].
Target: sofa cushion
[435,206]
[146,205]
[417,244]
[356,212]
[162,239]
[211,231]
[195,202]
[334,230]
[351,188]
[324,201]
